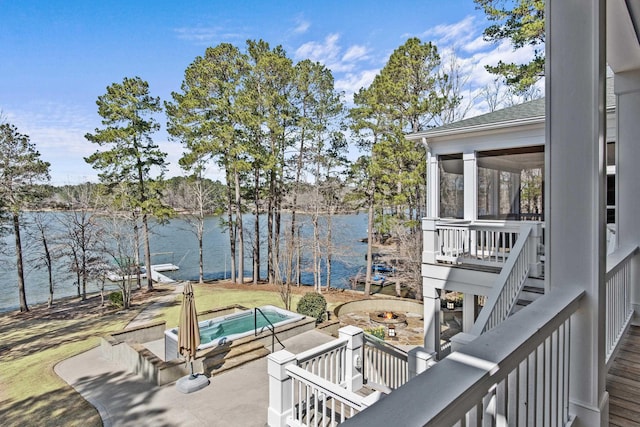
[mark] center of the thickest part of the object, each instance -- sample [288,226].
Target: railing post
[430,237]
[355,356]
[431,307]
[535,266]
[420,360]
[280,388]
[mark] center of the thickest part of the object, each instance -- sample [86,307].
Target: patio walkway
[238,397]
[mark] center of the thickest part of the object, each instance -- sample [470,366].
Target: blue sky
[57,57]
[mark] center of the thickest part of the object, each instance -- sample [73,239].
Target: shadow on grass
[64,407]
[26,335]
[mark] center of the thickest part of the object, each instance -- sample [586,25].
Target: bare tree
[493,94]
[83,231]
[453,83]
[47,250]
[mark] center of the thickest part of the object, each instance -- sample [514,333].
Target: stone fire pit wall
[381,304]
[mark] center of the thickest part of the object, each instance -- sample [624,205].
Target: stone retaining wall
[381,304]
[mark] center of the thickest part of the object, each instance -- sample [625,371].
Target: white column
[627,88]
[468,311]
[280,388]
[355,343]
[470,186]
[431,306]
[575,160]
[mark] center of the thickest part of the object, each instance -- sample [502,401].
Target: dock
[156,276]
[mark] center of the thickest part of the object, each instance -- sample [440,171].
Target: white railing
[515,374]
[504,293]
[327,361]
[316,401]
[619,310]
[318,386]
[385,367]
[480,243]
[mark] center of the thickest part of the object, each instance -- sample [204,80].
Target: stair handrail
[393,360]
[269,326]
[502,298]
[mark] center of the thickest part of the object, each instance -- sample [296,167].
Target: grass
[33,343]
[32,393]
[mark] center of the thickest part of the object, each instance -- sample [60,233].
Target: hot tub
[226,329]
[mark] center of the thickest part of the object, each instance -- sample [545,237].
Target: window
[451,186]
[511,184]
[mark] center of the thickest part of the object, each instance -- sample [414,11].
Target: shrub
[116,299]
[312,304]
[376,332]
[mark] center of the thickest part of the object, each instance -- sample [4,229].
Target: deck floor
[623,382]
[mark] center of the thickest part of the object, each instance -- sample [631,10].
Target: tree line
[280,134]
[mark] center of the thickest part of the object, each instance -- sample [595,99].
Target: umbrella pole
[192,374]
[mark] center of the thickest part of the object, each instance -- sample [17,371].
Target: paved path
[235,398]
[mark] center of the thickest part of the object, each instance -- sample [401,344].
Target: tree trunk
[270,215]
[239,226]
[47,256]
[200,255]
[367,280]
[232,234]
[136,256]
[147,251]
[21,290]
[256,229]
[329,246]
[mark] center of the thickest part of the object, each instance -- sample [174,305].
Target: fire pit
[388,318]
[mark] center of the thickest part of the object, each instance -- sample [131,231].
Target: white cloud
[326,51]
[329,53]
[458,34]
[302,26]
[353,82]
[355,53]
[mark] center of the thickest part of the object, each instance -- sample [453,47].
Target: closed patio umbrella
[189,340]
[188,330]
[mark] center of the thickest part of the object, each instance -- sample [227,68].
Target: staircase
[532,290]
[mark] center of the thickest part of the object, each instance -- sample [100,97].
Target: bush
[376,332]
[116,299]
[312,304]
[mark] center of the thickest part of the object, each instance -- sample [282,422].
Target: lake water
[174,243]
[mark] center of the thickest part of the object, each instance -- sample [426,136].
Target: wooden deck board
[623,382]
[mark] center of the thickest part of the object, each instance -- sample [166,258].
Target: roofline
[435,133]
[477,128]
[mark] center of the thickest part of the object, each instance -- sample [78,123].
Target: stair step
[237,356]
[523,302]
[533,289]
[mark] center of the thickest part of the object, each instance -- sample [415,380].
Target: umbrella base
[189,384]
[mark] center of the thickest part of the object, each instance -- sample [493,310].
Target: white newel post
[431,307]
[355,356]
[280,388]
[535,266]
[420,360]
[431,246]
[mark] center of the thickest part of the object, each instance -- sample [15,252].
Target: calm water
[174,243]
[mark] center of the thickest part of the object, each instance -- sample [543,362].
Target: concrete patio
[238,397]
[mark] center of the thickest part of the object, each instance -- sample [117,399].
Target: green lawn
[30,391]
